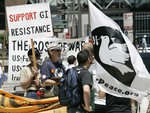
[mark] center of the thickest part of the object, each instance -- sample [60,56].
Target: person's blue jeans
[3,78]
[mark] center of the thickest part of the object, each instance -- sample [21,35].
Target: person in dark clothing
[52,70]
[117,104]
[99,103]
[84,83]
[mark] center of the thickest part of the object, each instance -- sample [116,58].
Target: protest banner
[19,48]
[29,21]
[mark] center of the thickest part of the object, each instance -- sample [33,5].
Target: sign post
[128,25]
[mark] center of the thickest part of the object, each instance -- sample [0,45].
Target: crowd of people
[46,77]
[50,72]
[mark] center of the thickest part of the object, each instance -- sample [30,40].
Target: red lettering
[19,15]
[27,17]
[11,18]
[34,14]
[22,16]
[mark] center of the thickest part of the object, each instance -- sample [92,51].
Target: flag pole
[33,54]
[34,57]
[89,18]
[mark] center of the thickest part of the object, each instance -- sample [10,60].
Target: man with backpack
[99,105]
[84,83]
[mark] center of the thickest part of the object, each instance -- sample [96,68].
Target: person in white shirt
[144,44]
[71,61]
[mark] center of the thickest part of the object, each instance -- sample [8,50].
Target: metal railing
[142,26]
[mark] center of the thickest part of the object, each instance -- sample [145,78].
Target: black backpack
[68,90]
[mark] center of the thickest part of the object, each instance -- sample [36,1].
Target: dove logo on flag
[113,54]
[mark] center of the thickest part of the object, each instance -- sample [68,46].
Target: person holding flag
[30,75]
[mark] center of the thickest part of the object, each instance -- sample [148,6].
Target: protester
[117,104]
[52,69]
[144,44]
[106,103]
[84,83]
[89,46]
[30,75]
[71,61]
[3,76]
[99,103]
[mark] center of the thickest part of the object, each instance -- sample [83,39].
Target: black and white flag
[119,67]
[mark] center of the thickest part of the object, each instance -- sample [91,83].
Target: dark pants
[77,110]
[99,108]
[119,109]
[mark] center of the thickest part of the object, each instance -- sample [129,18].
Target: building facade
[71,16]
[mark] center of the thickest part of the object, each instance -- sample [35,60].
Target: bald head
[88,46]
